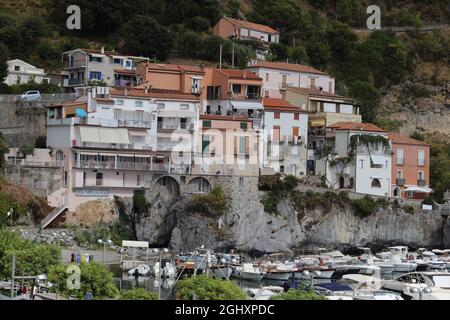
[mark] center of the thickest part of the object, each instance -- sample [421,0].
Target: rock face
[246,227]
[89,214]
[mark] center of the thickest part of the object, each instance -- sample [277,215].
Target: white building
[120,145]
[369,170]
[278,76]
[285,137]
[20,72]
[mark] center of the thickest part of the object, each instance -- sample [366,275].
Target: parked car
[31,96]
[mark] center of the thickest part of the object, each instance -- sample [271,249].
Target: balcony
[421,183]
[196,91]
[74,64]
[285,85]
[76,82]
[171,127]
[135,124]
[120,165]
[400,182]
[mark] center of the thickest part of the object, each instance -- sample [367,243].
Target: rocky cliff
[247,227]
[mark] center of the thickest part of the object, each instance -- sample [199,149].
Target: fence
[46,99]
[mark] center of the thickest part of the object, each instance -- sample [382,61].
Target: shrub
[364,207]
[213,204]
[204,288]
[140,205]
[138,294]
[268,183]
[293,294]
[429,200]
[409,209]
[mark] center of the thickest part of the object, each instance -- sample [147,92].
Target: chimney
[103,50]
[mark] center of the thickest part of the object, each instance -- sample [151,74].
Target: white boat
[324,274]
[278,275]
[264,293]
[141,270]
[433,261]
[369,258]
[400,266]
[168,270]
[364,269]
[248,272]
[421,285]
[222,272]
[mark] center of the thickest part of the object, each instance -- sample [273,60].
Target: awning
[117,136]
[318,123]
[89,134]
[138,133]
[419,190]
[176,114]
[378,160]
[245,105]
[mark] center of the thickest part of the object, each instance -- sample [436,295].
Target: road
[111,257]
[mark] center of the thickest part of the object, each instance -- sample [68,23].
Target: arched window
[59,155]
[376,183]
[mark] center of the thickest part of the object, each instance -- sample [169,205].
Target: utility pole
[220,64]
[13,271]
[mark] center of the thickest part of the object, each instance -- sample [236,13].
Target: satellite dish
[81,113]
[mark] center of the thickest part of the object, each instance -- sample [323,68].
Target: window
[276,133]
[84,179]
[160,106]
[16,68]
[128,64]
[196,86]
[65,178]
[281,169]
[266,94]
[242,145]
[270,38]
[276,115]
[241,182]
[296,116]
[361,164]
[99,179]
[244,125]
[400,160]
[313,83]
[138,180]
[267,76]
[184,107]
[399,174]
[376,183]
[139,104]
[95,75]
[421,158]
[120,102]
[295,134]
[118,61]
[205,143]
[421,175]
[206,124]
[236,88]
[95,59]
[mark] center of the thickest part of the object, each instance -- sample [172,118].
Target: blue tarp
[81,113]
[334,287]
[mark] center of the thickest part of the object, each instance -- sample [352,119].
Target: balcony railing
[76,82]
[77,63]
[186,126]
[400,182]
[135,123]
[421,183]
[120,165]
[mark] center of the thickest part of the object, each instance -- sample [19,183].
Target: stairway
[52,216]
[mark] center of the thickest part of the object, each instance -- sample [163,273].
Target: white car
[31,96]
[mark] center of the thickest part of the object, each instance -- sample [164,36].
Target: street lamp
[420,291]
[107,242]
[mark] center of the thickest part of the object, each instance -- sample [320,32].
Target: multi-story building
[117,141]
[278,76]
[86,66]
[245,30]
[410,167]
[360,159]
[187,79]
[285,138]
[20,72]
[325,110]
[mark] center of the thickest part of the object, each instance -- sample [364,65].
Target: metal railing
[75,82]
[400,182]
[35,163]
[421,183]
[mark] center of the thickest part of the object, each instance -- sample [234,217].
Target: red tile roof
[281,105]
[153,93]
[125,71]
[251,25]
[356,126]
[174,67]
[286,66]
[318,92]
[240,74]
[397,138]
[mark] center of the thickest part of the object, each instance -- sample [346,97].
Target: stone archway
[171,185]
[199,185]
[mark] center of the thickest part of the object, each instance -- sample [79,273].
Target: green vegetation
[440,165]
[7,203]
[213,204]
[33,259]
[279,189]
[3,150]
[204,288]
[138,294]
[364,207]
[294,294]
[3,65]
[95,278]
[41,142]
[116,232]
[140,205]
[26,150]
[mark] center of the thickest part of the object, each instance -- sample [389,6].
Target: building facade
[410,167]
[20,72]
[278,76]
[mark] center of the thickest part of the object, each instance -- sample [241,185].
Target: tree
[3,150]
[95,278]
[205,288]
[145,37]
[138,294]
[367,98]
[3,64]
[214,204]
[26,150]
[293,294]
[279,51]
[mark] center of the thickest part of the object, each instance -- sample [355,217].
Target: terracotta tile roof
[153,93]
[104,100]
[286,66]
[106,53]
[125,71]
[356,126]
[67,104]
[240,74]
[281,105]
[174,67]
[396,137]
[251,25]
[223,117]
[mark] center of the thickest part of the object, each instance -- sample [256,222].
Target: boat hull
[324,274]
[222,272]
[244,275]
[283,276]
